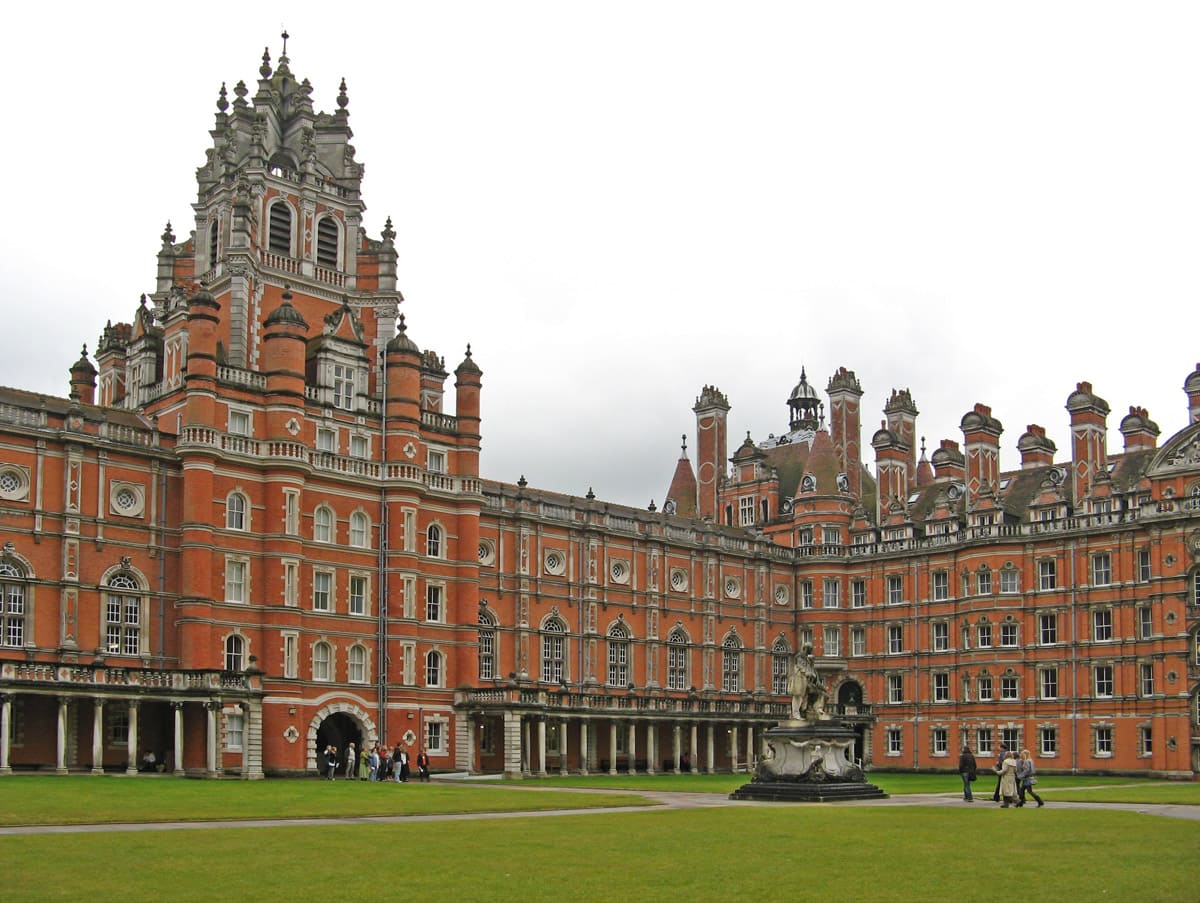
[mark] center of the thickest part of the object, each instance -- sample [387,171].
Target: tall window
[831,642]
[1143,565]
[235,511]
[1008,634]
[1145,741]
[356,664]
[322,655]
[984,632]
[1102,627]
[323,524]
[677,660]
[746,512]
[895,685]
[831,592]
[213,235]
[279,229]
[1010,688]
[554,643]
[486,646]
[327,242]
[322,591]
[941,636]
[858,594]
[1047,573]
[1010,581]
[1145,622]
[1049,679]
[983,741]
[895,744]
[236,579]
[895,638]
[12,605]
[290,658]
[343,387]
[806,594]
[1048,741]
[780,657]
[1104,680]
[357,597]
[1104,741]
[433,669]
[235,731]
[941,741]
[360,530]
[986,693]
[941,687]
[433,541]
[435,737]
[941,586]
[1146,678]
[433,602]
[234,651]
[1102,569]
[858,641]
[731,665]
[291,512]
[983,581]
[895,589]
[618,656]
[1048,629]
[123,616]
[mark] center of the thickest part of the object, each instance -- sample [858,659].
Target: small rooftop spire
[389,233]
[265,69]
[222,101]
[168,237]
[342,99]
[283,56]
[683,452]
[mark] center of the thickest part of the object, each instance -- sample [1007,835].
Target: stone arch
[370,733]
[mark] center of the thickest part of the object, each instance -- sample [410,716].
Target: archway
[338,730]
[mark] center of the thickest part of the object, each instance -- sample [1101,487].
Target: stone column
[651,747]
[98,735]
[751,755]
[210,763]
[612,747]
[541,740]
[60,742]
[583,745]
[131,745]
[177,707]
[5,731]
[709,750]
[733,749]
[526,747]
[633,747]
[694,752]
[564,745]
[512,745]
[677,745]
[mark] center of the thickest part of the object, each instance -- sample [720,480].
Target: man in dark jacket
[966,770]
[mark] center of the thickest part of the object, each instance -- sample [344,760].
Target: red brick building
[253,529]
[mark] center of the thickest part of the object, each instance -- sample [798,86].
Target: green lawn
[85,799]
[810,852]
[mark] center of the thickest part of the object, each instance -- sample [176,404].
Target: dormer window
[279,229]
[213,232]
[327,243]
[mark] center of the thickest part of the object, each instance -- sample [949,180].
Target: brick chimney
[981,439]
[1089,437]
[1036,450]
[1139,430]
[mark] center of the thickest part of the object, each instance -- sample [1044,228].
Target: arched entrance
[850,699]
[338,730]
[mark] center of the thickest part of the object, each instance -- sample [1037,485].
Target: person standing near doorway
[351,761]
[966,770]
[331,762]
[423,765]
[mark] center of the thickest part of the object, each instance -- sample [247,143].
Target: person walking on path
[351,761]
[1026,778]
[966,770]
[423,765]
[1000,757]
[1008,780]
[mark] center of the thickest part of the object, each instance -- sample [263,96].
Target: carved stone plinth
[808,761]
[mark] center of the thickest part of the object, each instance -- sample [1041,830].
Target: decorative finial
[222,102]
[265,69]
[684,438]
[591,494]
[653,507]
[402,327]
[922,446]
[283,56]
[83,353]
[287,293]
[468,350]
[240,90]
[522,482]
[143,300]
[168,237]
[389,234]
[342,99]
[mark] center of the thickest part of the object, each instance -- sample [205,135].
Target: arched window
[433,669]
[214,230]
[279,229]
[731,664]
[360,530]
[12,605]
[554,651]
[486,646]
[357,664]
[433,541]
[322,656]
[123,616]
[323,524]
[781,657]
[235,511]
[234,651]
[618,655]
[327,242]
[677,660]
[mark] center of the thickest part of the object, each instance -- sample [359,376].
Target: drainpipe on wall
[1074,670]
[916,664]
[162,566]
[381,571]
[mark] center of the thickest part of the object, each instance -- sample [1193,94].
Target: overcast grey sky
[617,203]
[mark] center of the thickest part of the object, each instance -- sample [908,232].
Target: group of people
[1015,777]
[376,764]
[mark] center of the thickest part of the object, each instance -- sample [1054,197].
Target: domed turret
[804,407]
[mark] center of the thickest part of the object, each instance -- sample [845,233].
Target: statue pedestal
[808,761]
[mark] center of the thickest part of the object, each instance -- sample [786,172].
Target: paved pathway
[666,799]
